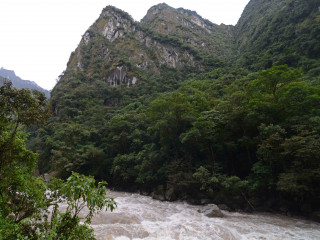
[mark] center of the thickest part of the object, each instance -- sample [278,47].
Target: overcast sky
[38,36]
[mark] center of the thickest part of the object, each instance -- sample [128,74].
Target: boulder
[224,207]
[205,201]
[170,194]
[211,211]
[158,193]
[158,196]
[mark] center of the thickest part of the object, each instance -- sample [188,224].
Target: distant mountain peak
[20,83]
[9,74]
[111,10]
[159,9]
[160,6]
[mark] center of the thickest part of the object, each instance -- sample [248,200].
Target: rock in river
[211,211]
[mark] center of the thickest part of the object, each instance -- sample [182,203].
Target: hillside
[280,32]
[118,51]
[19,83]
[181,108]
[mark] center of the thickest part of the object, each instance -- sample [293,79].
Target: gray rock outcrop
[211,211]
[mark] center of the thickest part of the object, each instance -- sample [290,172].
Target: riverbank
[141,217]
[231,204]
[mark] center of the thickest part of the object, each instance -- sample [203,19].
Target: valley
[178,109]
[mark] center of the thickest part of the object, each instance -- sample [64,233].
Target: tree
[301,176]
[18,109]
[25,199]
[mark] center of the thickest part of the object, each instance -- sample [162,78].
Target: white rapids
[141,217]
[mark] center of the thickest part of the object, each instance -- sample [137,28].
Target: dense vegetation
[243,131]
[28,205]
[255,138]
[280,32]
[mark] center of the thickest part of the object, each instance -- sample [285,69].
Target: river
[141,217]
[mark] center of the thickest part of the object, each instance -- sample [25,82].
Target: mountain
[119,50]
[19,83]
[168,43]
[181,108]
[276,32]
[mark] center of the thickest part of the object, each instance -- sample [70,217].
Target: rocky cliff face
[191,29]
[118,50]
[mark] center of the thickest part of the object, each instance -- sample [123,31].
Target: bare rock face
[115,25]
[86,38]
[121,75]
[211,211]
[120,51]
[170,57]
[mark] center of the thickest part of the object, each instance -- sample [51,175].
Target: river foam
[141,217]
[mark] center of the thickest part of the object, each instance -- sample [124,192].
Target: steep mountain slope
[280,32]
[19,83]
[119,50]
[192,30]
[156,54]
[174,105]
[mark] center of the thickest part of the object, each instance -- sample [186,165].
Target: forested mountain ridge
[279,32]
[180,107]
[118,50]
[20,83]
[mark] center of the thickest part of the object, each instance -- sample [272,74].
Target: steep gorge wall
[118,50]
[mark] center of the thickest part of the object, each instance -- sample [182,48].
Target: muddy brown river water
[141,217]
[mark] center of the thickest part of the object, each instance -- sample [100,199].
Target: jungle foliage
[244,133]
[255,137]
[28,205]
